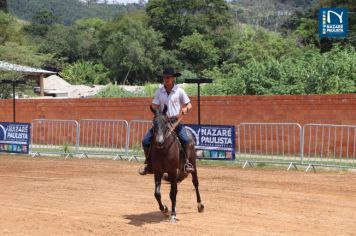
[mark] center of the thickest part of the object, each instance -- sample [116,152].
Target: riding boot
[147,169]
[188,167]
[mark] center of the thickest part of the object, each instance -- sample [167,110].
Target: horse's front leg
[158,178]
[196,186]
[173,196]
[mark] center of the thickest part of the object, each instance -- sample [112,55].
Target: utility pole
[198,81]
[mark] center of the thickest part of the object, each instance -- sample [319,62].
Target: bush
[113,91]
[85,72]
[305,72]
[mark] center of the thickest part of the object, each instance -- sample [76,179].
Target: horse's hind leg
[196,186]
[162,207]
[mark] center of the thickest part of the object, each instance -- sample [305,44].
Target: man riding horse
[177,102]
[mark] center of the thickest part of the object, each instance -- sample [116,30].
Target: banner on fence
[14,137]
[215,142]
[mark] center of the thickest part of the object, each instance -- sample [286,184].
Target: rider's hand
[185,110]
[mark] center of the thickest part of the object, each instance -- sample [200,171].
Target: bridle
[171,127]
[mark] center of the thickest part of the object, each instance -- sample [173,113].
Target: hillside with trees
[68,11]
[247,47]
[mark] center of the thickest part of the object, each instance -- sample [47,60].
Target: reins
[172,127]
[175,124]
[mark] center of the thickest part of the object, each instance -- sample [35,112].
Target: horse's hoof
[142,171]
[173,219]
[200,207]
[165,210]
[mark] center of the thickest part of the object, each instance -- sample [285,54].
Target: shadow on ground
[146,218]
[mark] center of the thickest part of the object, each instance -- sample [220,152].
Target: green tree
[248,45]
[178,18]
[69,11]
[67,43]
[88,35]
[44,17]
[306,32]
[85,72]
[331,72]
[41,23]
[90,23]
[226,81]
[197,52]
[9,29]
[131,50]
[23,55]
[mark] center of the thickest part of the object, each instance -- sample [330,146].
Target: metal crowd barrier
[103,137]
[329,145]
[279,143]
[54,137]
[138,129]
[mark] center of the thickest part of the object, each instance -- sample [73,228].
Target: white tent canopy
[26,70]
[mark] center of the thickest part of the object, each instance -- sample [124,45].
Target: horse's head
[160,125]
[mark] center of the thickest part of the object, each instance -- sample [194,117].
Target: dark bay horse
[165,154]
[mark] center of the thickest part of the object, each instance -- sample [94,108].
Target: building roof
[6,66]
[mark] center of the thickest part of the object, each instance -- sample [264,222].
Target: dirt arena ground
[53,196]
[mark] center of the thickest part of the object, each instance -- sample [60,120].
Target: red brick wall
[332,109]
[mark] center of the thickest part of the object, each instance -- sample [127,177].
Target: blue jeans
[180,130]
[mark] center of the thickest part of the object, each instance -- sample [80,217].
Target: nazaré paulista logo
[333,22]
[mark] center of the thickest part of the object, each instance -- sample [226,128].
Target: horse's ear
[154,110]
[165,109]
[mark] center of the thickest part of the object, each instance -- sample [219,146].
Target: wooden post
[14,101]
[41,85]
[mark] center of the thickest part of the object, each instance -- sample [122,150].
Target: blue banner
[15,137]
[215,142]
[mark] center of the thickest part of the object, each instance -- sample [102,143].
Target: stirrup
[188,168]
